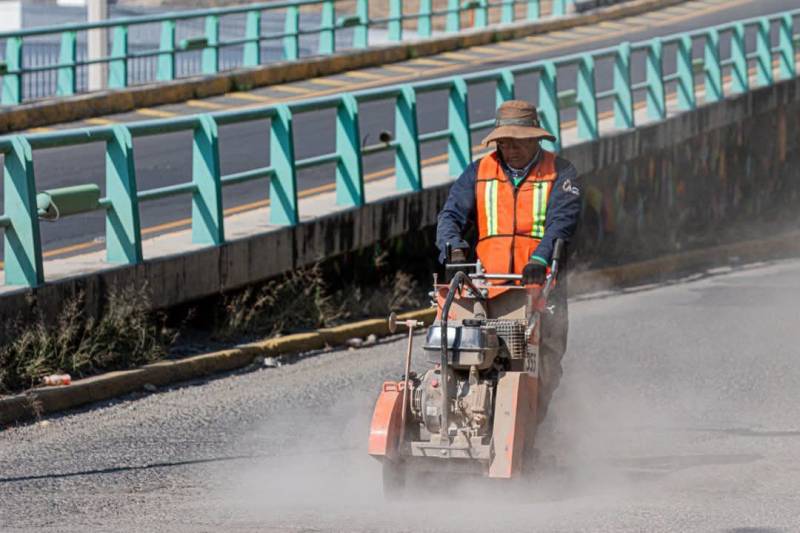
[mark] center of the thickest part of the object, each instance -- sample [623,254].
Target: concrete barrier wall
[726,172]
[716,175]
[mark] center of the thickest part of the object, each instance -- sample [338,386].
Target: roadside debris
[271,362]
[355,342]
[57,379]
[149,387]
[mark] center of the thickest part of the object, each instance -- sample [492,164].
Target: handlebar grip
[558,250]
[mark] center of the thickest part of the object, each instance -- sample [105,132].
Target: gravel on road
[679,411]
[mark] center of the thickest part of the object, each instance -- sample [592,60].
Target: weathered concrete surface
[697,179]
[723,173]
[78,107]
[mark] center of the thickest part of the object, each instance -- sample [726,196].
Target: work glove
[459,255]
[534,273]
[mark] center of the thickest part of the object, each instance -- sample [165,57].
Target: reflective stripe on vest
[541,192]
[490,202]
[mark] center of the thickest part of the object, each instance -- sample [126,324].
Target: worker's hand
[534,273]
[459,255]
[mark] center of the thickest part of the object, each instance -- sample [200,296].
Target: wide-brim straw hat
[517,119]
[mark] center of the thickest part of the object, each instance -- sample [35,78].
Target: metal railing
[20,220]
[206,41]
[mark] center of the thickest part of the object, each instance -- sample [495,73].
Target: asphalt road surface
[679,411]
[166,159]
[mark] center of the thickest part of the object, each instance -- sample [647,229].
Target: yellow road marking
[99,121]
[547,39]
[587,30]
[614,26]
[649,18]
[330,82]
[680,10]
[457,56]
[250,96]
[513,45]
[487,50]
[149,112]
[364,75]
[204,105]
[40,129]
[400,68]
[290,89]
[427,61]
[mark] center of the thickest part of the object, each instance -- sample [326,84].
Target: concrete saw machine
[474,410]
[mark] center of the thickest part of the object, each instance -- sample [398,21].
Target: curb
[72,108]
[36,402]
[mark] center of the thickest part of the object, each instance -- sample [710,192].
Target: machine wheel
[394,479]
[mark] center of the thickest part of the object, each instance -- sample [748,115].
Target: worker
[520,199]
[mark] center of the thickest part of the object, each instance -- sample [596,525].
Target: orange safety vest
[511,219]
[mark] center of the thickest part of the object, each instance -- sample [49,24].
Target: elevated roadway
[167,159]
[679,411]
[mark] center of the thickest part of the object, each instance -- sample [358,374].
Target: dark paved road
[679,411]
[166,159]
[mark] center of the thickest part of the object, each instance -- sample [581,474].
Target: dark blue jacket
[563,210]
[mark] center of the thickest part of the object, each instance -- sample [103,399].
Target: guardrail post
[713,69]
[459,145]
[291,27]
[210,54]
[425,24]
[12,79]
[505,88]
[22,246]
[166,57]
[349,172]
[252,32]
[327,37]
[548,103]
[764,53]
[623,95]
[786,45]
[740,76]
[361,32]
[123,230]
[395,20]
[283,208]
[453,21]
[66,73]
[587,101]
[534,9]
[687,99]
[656,100]
[407,162]
[481,14]
[118,67]
[207,218]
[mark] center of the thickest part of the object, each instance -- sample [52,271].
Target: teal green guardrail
[20,220]
[13,70]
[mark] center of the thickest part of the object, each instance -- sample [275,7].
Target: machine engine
[477,350]
[471,403]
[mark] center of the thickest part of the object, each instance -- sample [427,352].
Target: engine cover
[470,403]
[471,343]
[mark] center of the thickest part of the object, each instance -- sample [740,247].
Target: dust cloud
[321,477]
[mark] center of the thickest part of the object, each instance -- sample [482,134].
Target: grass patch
[308,299]
[123,336]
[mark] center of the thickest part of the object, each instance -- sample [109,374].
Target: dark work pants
[553,344]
